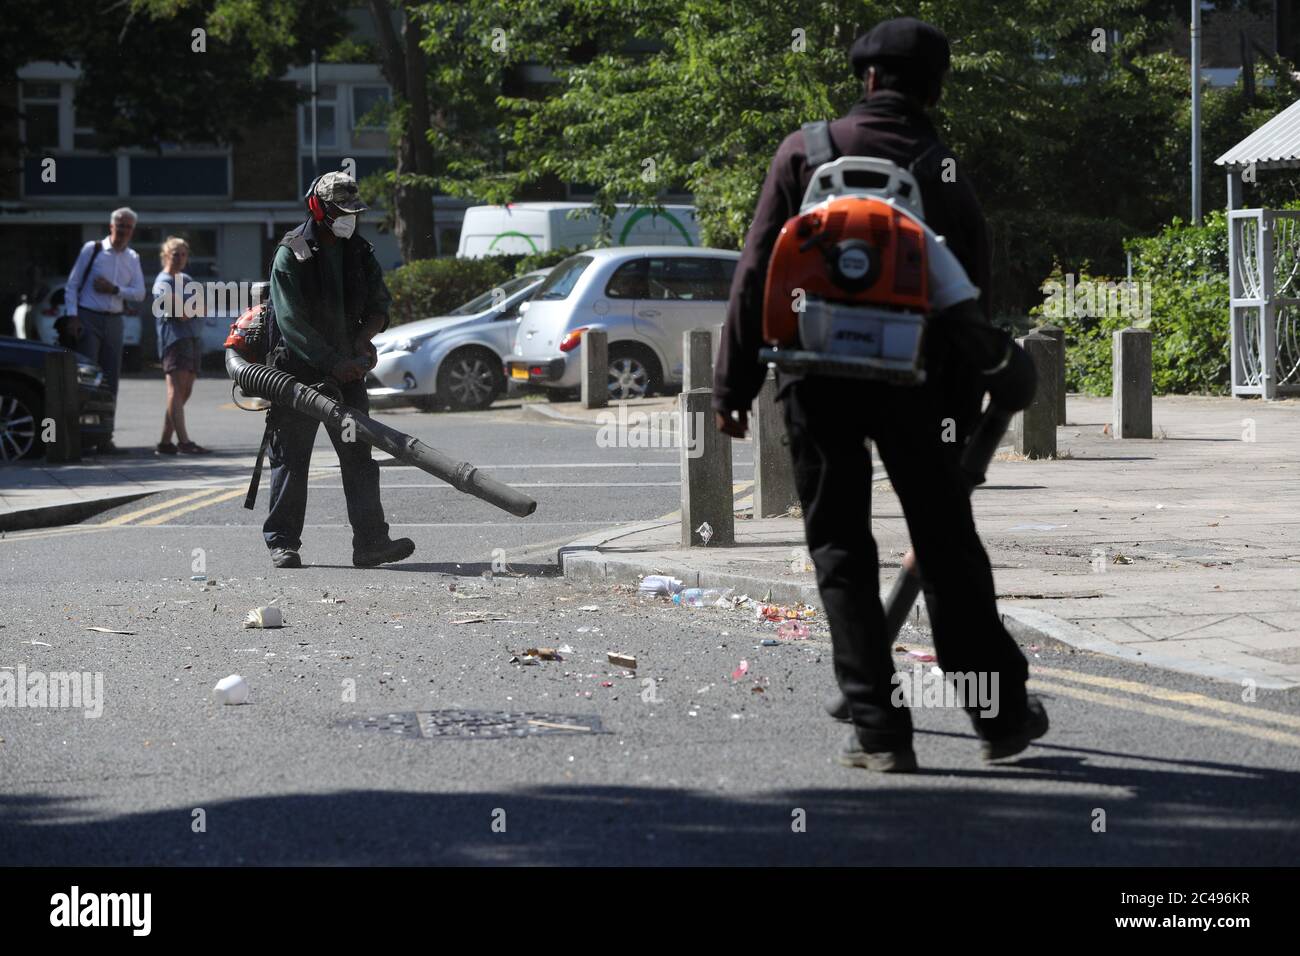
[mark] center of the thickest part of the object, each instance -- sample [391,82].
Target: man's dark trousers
[828,423]
[292,437]
[101,342]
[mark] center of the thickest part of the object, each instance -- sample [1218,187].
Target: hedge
[1180,294]
[429,287]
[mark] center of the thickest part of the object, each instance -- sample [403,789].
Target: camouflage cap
[340,190]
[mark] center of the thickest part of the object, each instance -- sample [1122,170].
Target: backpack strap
[926,162]
[99,245]
[250,499]
[817,143]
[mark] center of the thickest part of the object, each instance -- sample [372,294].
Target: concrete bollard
[697,359]
[706,473]
[62,405]
[1130,386]
[1058,334]
[1035,427]
[595,368]
[774,490]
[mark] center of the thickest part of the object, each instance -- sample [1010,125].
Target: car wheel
[20,415]
[633,372]
[470,379]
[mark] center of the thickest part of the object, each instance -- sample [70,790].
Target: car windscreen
[484,302]
[563,278]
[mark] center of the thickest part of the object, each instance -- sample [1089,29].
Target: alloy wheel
[17,428]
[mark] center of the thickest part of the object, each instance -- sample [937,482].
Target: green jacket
[322,293]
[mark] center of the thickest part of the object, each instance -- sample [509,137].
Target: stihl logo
[848,335]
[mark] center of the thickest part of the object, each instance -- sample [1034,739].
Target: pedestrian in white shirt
[106,275]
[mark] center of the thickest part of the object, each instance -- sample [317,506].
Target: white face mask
[344,226]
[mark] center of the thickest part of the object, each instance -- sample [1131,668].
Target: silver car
[643,297]
[453,360]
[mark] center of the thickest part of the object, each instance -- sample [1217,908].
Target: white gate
[1264,272]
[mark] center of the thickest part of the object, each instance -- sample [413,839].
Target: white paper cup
[231,690]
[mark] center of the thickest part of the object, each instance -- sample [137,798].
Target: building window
[326,128]
[369,107]
[147,241]
[40,108]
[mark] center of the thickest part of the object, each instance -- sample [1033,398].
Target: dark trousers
[292,437]
[828,423]
[101,343]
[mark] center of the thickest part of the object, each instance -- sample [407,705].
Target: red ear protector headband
[314,203]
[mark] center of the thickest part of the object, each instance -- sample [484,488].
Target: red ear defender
[317,210]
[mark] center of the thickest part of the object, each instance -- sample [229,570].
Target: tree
[1072,131]
[407,68]
[149,78]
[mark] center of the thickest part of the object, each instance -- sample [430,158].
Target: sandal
[165,448]
[192,448]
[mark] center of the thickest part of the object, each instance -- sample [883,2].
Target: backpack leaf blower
[246,352]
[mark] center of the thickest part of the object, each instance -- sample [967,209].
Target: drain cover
[476,724]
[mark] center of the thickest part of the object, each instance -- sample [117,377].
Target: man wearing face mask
[329,300]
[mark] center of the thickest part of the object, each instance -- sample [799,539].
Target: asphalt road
[682,763]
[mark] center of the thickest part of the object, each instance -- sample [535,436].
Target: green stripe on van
[640,214]
[519,235]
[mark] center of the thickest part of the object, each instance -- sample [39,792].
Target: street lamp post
[1196,112]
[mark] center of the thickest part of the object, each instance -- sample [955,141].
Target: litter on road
[659,585]
[792,631]
[265,617]
[231,690]
[621,660]
[108,630]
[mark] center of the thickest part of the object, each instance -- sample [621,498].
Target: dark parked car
[22,400]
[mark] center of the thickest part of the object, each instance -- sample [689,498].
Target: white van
[528,227]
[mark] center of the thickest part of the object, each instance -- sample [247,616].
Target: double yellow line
[1206,711]
[167,510]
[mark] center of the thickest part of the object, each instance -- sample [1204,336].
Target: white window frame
[64,103]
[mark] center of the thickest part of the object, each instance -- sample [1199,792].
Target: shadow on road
[1158,812]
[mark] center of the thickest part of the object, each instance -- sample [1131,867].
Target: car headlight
[90,375]
[405,345]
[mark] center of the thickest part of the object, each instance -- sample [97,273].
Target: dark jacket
[322,293]
[890,126]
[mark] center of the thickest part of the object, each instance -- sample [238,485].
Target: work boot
[382,552]
[1031,728]
[838,707]
[882,761]
[286,558]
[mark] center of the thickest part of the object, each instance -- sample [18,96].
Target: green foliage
[143,82]
[1069,146]
[429,287]
[1185,270]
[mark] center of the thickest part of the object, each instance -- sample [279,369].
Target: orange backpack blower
[854,275]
